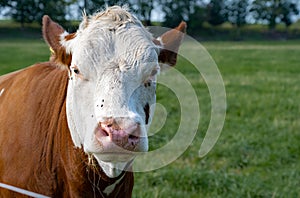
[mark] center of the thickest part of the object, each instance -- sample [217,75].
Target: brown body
[36,149]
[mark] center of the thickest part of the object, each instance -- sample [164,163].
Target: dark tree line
[275,11]
[28,11]
[195,12]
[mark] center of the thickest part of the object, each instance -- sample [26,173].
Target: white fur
[112,169]
[64,43]
[2,91]
[115,56]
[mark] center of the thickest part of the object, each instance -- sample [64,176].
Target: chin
[114,164]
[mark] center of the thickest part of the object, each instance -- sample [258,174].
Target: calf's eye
[76,71]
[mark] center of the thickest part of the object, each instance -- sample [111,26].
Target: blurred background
[256,46]
[222,19]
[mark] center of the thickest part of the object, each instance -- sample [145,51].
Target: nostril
[133,137]
[105,132]
[133,140]
[106,128]
[101,132]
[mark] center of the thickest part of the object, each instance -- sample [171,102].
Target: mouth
[115,156]
[114,169]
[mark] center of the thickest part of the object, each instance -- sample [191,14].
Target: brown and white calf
[72,126]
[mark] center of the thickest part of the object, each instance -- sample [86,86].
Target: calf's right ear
[53,34]
[170,42]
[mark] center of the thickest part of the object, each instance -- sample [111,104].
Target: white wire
[22,191]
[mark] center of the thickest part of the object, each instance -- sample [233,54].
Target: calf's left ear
[170,42]
[53,33]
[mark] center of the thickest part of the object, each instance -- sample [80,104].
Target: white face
[111,92]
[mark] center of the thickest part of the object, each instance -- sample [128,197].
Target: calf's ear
[53,34]
[170,42]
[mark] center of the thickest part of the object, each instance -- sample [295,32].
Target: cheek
[149,109]
[144,102]
[83,96]
[150,116]
[82,107]
[147,113]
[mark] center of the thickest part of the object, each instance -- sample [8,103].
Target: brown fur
[36,150]
[171,41]
[51,33]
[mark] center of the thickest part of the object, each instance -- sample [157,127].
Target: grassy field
[258,152]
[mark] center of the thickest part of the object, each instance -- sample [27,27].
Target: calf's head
[113,62]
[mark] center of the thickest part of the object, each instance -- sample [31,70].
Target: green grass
[18,54]
[258,152]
